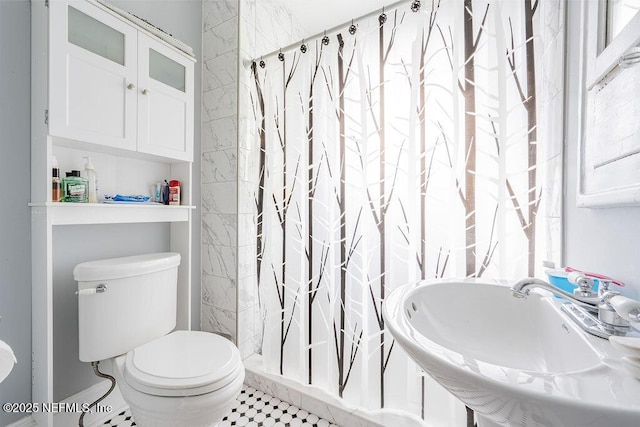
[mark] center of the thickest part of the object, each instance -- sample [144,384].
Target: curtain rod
[247,62]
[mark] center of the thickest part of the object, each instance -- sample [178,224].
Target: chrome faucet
[603,313]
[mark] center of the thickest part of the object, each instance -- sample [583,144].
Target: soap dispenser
[90,174]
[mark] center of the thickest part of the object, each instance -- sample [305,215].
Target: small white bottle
[90,174]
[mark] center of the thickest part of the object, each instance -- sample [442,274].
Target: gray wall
[15,223]
[600,240]
[182,18]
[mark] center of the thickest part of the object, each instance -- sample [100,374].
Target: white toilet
[127,310]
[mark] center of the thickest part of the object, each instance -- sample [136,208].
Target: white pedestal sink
[516,362]
[7,360]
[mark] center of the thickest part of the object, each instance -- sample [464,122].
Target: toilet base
[205,410]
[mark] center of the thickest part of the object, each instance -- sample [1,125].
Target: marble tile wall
[220,41]
[234,32]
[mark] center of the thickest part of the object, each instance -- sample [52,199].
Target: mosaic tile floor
[123,419]
[253,408]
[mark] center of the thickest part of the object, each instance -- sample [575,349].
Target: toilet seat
[183,363]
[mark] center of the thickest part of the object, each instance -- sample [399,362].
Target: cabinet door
[165,100]
[93,72]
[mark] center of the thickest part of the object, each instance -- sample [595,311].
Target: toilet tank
[136,304]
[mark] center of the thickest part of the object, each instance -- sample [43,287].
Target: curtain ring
[325,39]
[281,56]
[352,28]
[383,17]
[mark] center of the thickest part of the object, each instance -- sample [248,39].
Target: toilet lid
[183,363]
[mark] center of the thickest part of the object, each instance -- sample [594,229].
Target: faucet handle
[627,308]
[585,284]
[603,287]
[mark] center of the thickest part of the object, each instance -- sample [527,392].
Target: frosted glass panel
[166,70]
[96,37]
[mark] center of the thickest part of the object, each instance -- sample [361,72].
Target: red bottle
[174,192]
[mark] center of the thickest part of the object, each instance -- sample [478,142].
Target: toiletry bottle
[90,174]
[174,192]
[165,192]
[56,183]
[75,188]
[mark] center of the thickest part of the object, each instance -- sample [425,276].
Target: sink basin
[7,360]
[516,362]
[486,323]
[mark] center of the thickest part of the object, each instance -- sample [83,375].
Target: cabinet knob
[131,86]
[145,91]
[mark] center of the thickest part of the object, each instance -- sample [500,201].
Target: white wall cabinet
[105,87]
[117,86]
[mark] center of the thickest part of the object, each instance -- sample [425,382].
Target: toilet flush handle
[100,289]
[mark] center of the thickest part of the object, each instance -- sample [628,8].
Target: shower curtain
[423,143]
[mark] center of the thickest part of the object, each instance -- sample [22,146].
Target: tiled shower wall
[234,32]
[219,166]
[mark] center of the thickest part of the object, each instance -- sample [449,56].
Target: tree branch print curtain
[416,145]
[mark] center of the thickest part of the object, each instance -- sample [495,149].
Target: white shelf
[58,141]
[102,213]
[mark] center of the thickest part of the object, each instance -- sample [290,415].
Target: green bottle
[75,188]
